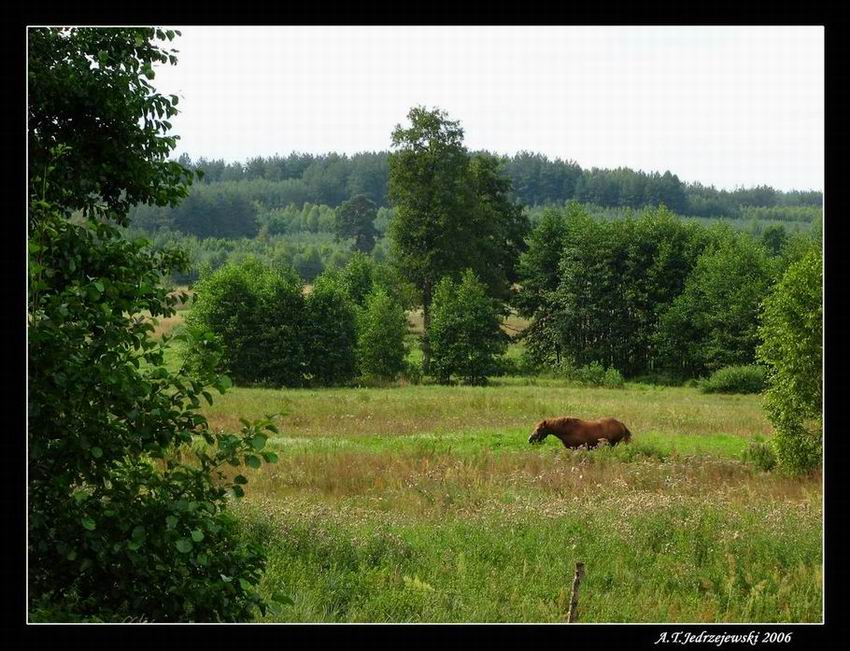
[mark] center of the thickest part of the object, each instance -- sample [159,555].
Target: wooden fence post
[573,613]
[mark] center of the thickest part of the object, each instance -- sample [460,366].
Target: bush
[792,331]
[465,334]
[760,455]
[330,335]
[257,315]
[504,365]
[595,374]
[528,363]
[736,379]
[381,332]
[413,372]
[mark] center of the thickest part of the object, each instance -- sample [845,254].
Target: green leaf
[88,523]
[171,521]
[96,452]
[80,495]
[138,533]
[237,490]
[269,457]
[252,461]
[258,442]
[240,479]
[184,545]
[197,535]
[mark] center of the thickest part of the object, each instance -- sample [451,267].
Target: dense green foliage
[452,211]
[309,254]
[127,498]
[256,315]
[429,192]
[269,333]
[612,281]
[330,179]
[792,332]
[596,375]
[355,219]
[381,332]
[358,278]
[713,322]
[465,333]
[330,336]
[647,294]
[221,210]
[736,379]
[89,94]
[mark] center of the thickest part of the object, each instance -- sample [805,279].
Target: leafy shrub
[357,278]
[413,372]
[736,379]
[330,335]
[613,379]
[760,455]
[465,334]
[258,316]
[595,374]
[792,331]
[528,363]
[381,332]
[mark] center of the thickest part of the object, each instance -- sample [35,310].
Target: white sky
[728,106]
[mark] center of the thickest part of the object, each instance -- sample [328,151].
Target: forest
[233,199]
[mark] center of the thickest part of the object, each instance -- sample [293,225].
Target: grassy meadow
[414,503]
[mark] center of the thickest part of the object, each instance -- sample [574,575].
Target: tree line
[536,179]
[649,294]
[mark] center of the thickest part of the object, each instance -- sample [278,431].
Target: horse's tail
[627,437]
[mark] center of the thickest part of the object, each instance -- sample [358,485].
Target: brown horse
[575,432]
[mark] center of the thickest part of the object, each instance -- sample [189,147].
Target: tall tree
[428,186]
[355,218]
[498,224]
[453,211]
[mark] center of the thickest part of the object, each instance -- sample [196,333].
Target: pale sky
[728,106]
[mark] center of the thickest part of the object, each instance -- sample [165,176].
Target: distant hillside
[233,198]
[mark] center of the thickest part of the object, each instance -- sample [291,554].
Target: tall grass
[426,503]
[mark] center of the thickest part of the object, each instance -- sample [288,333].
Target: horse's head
[541,431]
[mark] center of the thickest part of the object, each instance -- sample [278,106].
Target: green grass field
[426,503]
